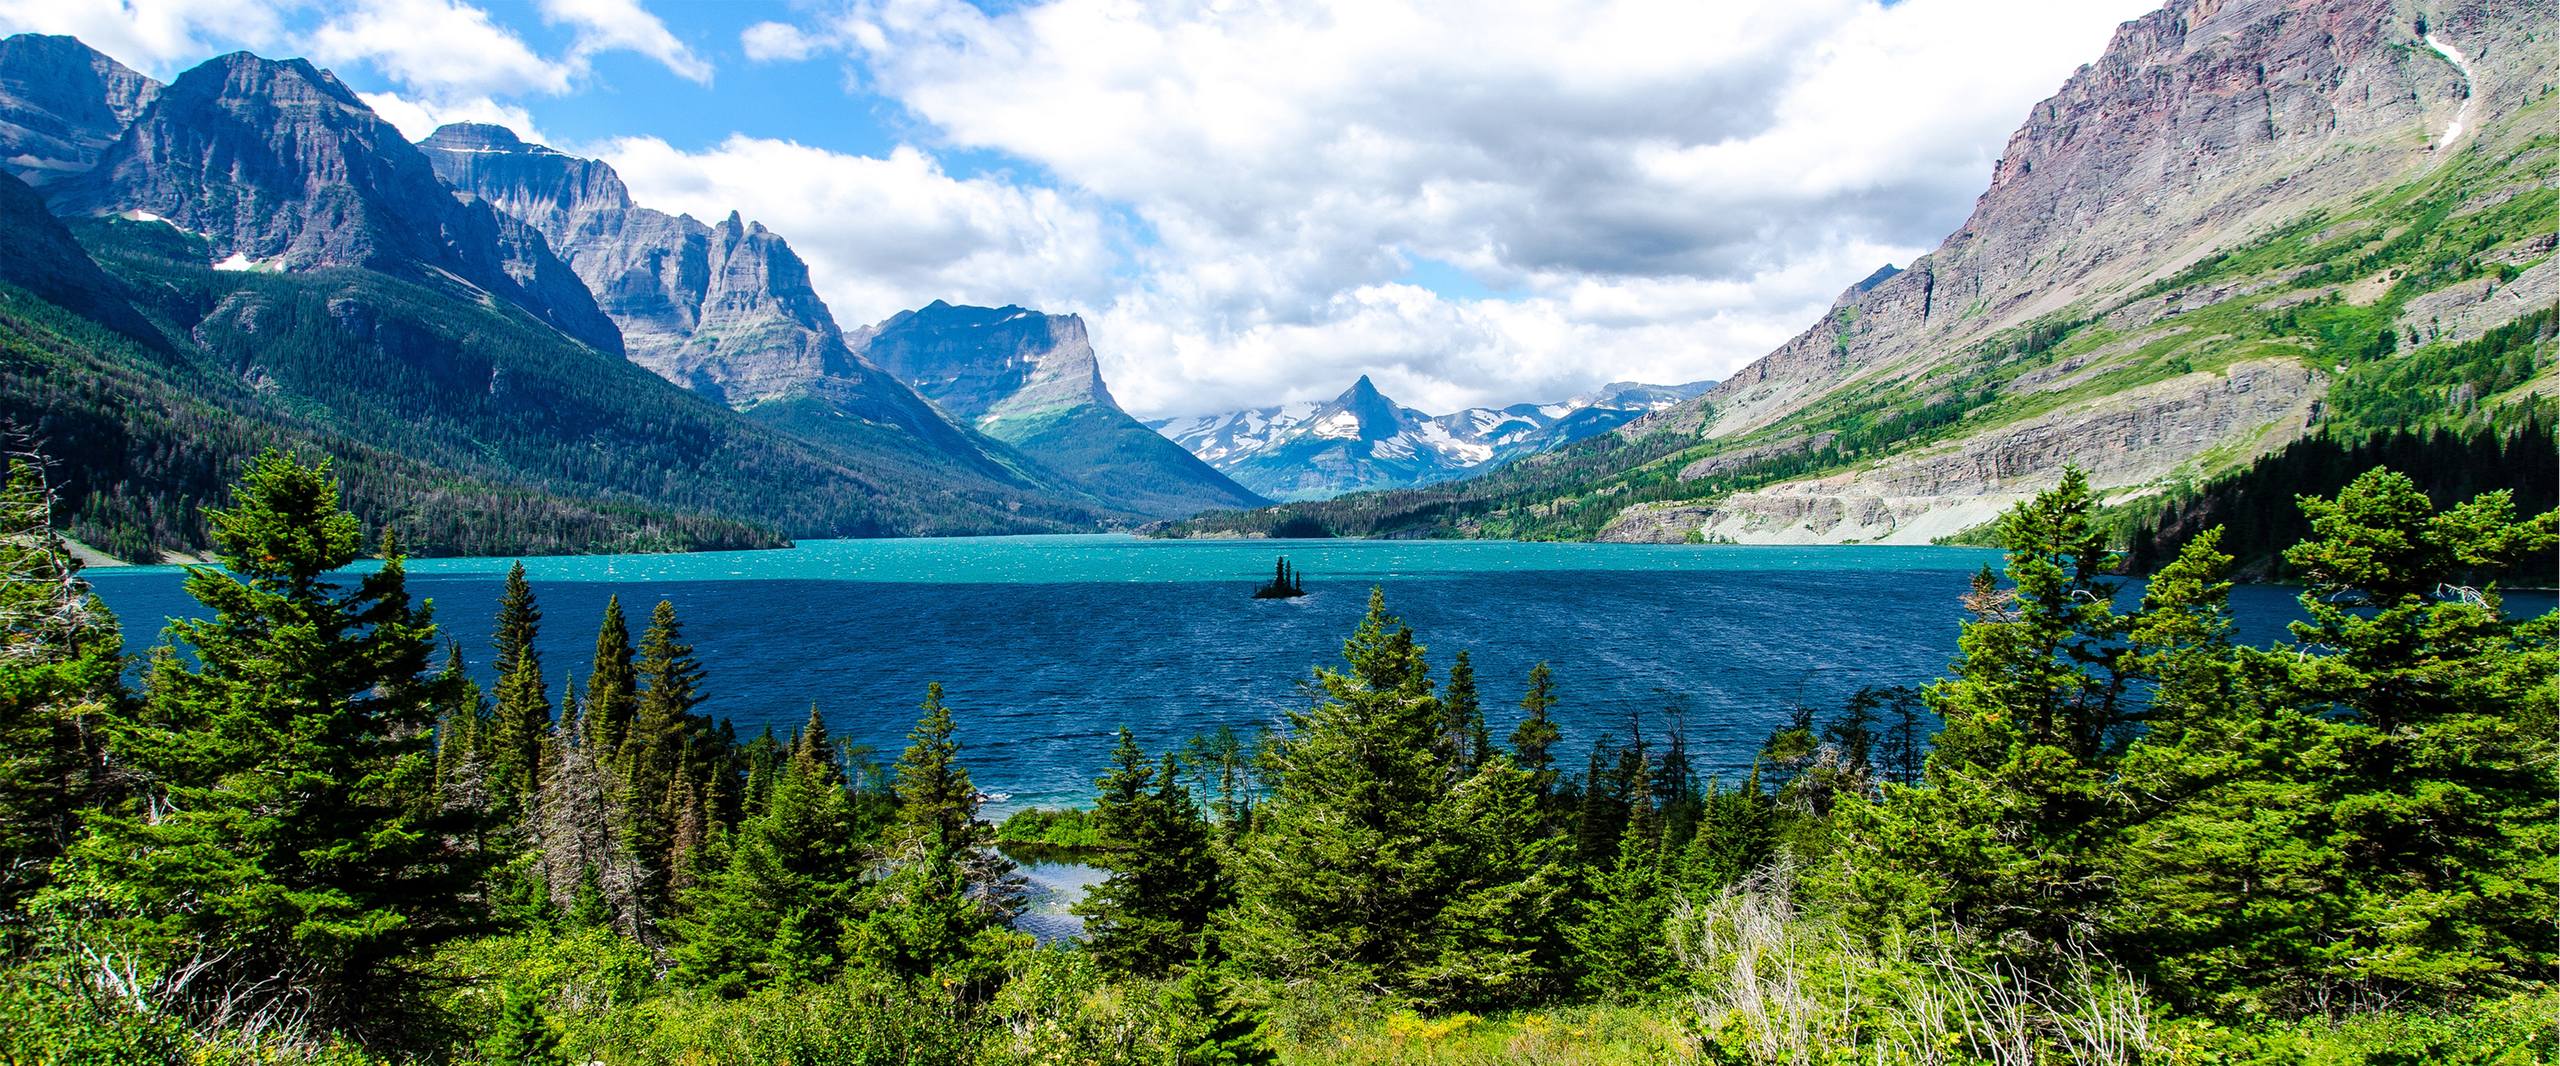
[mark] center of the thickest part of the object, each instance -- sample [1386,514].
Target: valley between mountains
[2248,224]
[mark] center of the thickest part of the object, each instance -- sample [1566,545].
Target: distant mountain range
[505,353]
[1362,440]
[2248,222]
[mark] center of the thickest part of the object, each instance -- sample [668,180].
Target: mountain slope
[1361,440]
[1031,380]
[300,277]
[279,166]
[725,309]
[143,437]
[2248,221]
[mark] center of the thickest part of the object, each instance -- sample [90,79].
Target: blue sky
[1473,201]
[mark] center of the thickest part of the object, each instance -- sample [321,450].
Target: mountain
[280,166]
[1032,381]
[298,277]
[2248,222]
[144,435]
[61,104]
[1362,440]
[725,309]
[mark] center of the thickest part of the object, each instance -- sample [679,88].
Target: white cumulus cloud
[768,41]
[158,37]
[436,47]
[883,234]
[623,25]
[1654,188]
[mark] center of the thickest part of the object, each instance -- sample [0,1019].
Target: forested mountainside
[2248,222]
[1363,440]
[255,259]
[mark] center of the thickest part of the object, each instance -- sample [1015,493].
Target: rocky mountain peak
[2202,122]
[553,191]
[1361,412]
[61,104]
[983,363]
[278,165]
[1883,274]
[480,137]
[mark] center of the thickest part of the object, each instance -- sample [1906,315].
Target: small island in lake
[1284,583]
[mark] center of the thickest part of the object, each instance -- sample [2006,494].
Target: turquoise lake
[1046,645]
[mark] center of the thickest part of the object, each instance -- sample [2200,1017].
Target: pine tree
[1499,940]
[1533,741]
[2365,814]
[2006,840]
[523,712]
[585,857]
[1346,872]
[286,826]
[1621,943]
[1165,881]
[463,720]
[923,921]
[61,665]
[1463,736]
[774,914]
[1209,1028]
[937,806]
[654,750]
[613,683]
[522,1037]
[1737,835]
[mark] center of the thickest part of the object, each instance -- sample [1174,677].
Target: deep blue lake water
[1046,645]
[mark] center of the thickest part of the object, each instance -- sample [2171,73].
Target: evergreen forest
[299,832]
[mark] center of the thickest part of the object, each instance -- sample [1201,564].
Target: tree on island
[1285,583]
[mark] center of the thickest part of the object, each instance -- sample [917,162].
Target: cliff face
[61,104]
[988,364]
[2202,122]
[279,166]
[1032,381]
[726,308]
[2206,126]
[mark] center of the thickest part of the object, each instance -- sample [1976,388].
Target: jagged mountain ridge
[726,309]
[1362,440]
[1033,381]
[300,267]
[2248,221]
[278,165]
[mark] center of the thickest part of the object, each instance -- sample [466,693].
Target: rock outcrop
[726,309]
[1032,380]
[2129,441]
[2205,125]
[61,104]
[278,165]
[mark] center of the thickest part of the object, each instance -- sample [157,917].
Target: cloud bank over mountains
[1471,202]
